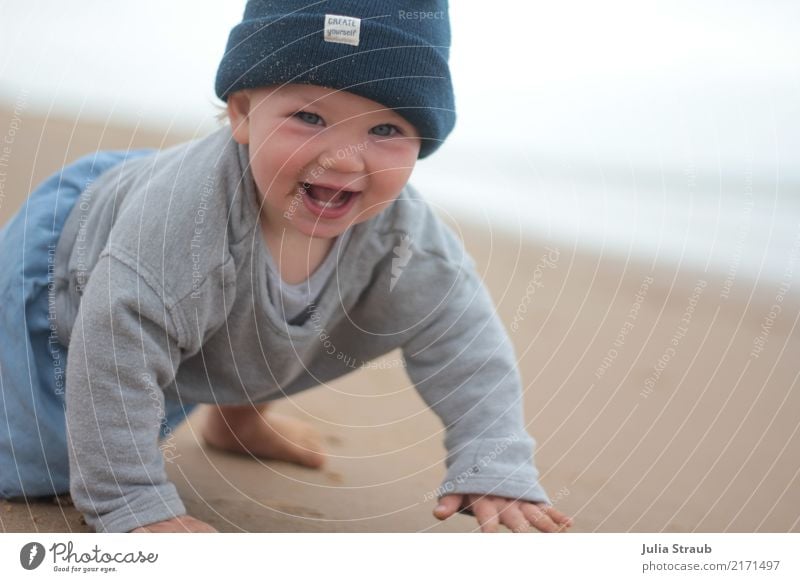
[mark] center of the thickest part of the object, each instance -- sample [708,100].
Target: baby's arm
[464,366]
[124,347]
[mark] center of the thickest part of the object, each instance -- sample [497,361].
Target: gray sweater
[162,291]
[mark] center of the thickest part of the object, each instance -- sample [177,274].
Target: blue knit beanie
[393,52]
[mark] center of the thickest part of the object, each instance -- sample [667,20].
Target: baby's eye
[310,118]
[386,130]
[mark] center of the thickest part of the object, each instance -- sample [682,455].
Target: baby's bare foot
[255,430]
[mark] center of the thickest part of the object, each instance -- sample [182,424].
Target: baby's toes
[311,445]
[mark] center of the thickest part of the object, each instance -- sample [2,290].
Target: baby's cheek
[272,173]
[397,180]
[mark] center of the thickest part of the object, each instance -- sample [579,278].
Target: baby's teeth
[328,204]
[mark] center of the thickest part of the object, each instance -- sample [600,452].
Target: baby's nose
[344,159]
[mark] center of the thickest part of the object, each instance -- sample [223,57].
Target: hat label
[342,29]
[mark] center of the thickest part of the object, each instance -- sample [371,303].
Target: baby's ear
[238,110]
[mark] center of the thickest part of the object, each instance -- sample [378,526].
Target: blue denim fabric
[33,441]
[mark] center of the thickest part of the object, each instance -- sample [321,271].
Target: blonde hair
[222,112]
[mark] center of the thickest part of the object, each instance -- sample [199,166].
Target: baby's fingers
[180,524]
[486,513]
[514,519]
[447,506]
[538,518]
[557,516]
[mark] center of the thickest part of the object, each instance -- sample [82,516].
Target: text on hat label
[342,29]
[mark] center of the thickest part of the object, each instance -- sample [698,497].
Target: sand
[646,420]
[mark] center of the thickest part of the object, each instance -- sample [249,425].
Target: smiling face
[322,160]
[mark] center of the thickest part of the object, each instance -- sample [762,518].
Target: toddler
[274,255]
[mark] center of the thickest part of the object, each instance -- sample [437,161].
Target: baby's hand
[491,510]
[180,524]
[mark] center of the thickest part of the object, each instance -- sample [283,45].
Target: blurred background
[642,140]
[642,127]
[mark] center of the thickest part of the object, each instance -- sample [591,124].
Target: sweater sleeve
[123,350]
[464,366]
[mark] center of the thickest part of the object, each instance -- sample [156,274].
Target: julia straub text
[675,549]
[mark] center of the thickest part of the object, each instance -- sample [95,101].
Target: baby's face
[323,160]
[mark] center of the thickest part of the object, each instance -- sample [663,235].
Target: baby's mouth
[326,197]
